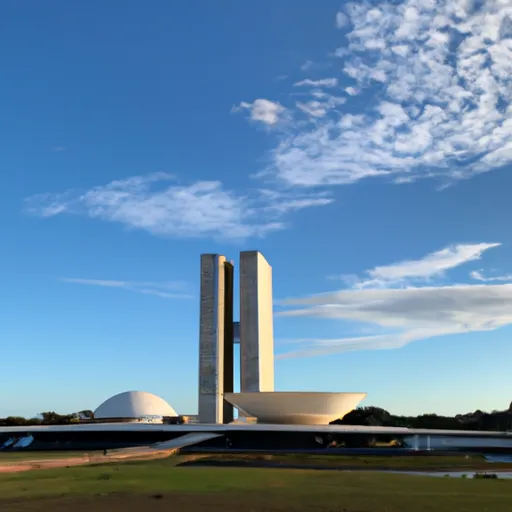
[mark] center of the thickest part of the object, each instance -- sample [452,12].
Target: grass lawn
[407,462]
[160,485]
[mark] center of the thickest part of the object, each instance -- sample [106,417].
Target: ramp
[186,440]
[164,448]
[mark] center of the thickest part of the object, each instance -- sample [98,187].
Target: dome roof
[134,404]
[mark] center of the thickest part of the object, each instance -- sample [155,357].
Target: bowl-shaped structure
[291,408]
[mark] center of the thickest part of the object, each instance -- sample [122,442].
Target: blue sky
[366,150]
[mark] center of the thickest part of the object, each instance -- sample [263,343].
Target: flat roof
[248,427]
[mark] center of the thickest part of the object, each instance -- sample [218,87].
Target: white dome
[134,404]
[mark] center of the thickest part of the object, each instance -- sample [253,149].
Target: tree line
[374,416]
[47,418]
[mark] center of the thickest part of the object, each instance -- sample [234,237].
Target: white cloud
[478,276]
[352,91]
[323,82]
[407,313]
[164,290]
[313,108]
[307,65]
[108,283]
[432,265]
[281,202]
[262,110]
[341,52]
[341,20]
[321,105]
[446,65]
[155,203]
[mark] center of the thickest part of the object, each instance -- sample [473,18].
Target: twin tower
[218,332]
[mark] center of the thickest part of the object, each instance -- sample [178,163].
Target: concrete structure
[255,334]
[134,406]
[237,427]
[215,339]
[471,437]
[306,408]
[256,324]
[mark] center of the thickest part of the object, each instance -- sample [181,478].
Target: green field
[409,462]
[161,485]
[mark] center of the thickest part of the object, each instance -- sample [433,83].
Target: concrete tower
[215,339]
[256,323]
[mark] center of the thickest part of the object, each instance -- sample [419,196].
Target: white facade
[256,323]
[296,408]
[211,339]
[134,405]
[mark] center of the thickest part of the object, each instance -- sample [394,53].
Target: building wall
[256,323]
[229,362]
[265,325]
[212,335]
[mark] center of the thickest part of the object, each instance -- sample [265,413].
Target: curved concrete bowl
[295,408]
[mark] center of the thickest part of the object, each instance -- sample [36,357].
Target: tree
[370,416]
[52,418]
[15,421]
[478,420]
[86,414]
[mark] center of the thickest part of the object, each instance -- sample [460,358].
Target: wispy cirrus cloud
[321,104]
[408,313]
[164,290]
[411,271]
[439,77]
[323,82]
[323,347]
[479,276]
[157,204]
[284,202]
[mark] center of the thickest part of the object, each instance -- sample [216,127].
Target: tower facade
[256,323]
[215,339]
